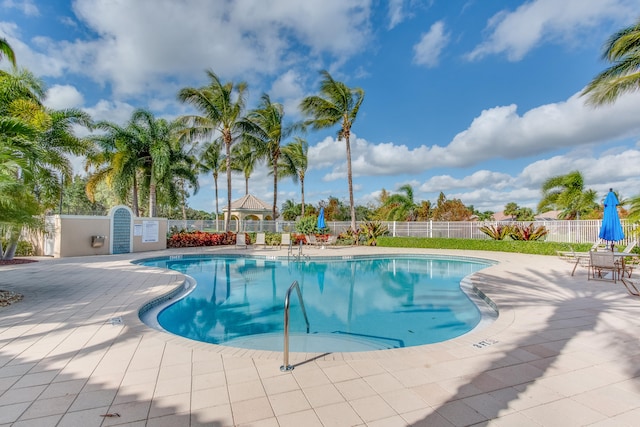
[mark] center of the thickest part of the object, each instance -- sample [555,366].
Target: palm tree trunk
[227,217]
[275,186]
[184,200]
[134,196]
[302,195]
[215,183]
[152,199]
[350,181]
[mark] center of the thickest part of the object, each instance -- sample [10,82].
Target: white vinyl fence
[583,231]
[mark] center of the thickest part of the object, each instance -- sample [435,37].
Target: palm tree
[243,159]
[6,50]
[115,161]
[222,106]
[401,207]
[336,104]
[212,160]
[265,129]
[623,51]
[155,155]
[294,163]
[18,205]
[567,193]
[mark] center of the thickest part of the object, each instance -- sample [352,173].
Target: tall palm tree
[623,51]
[336,103]
[401,207]
[567,193]
[212,160]
[265,129]
[6,50]
[295,162]
[221,106]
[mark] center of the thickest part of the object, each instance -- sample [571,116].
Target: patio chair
[628,263]
[601,264]
[285,239]
[241,241]
[574,258]
[261,240]
[312,240]
[331,240]
[631,287]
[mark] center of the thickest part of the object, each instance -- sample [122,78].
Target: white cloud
[63,96]
[534,22]
[427,51]
[478,179]
[289,88]
[142,43]
[396,13]
[112,111]
[25,6]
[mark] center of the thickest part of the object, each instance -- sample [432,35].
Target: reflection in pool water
[352,304]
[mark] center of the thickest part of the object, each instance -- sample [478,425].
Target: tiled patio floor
[563,352]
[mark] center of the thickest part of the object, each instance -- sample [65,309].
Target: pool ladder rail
[285,365]
[299,256]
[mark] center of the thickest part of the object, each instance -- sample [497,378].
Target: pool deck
[564,352]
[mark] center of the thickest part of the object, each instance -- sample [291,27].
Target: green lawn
[525,247]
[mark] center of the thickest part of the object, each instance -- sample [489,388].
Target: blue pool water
[352,304]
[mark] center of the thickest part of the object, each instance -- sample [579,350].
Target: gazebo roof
[249,203]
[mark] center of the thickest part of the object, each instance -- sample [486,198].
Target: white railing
[583,231]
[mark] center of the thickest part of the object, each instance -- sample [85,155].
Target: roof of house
[249,203]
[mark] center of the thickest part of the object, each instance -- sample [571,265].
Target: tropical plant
[528,232]
[371,230]
[497,232]
[6,50]
[265,129]
[567,193]
[623,51]
[336,103]
[221,105]
[294,163]
[307,225]
[243,159]
[212,160]
[511,209]
[116,161]
[34,146]
[401,207]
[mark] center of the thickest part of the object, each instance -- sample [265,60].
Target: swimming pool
[353,303]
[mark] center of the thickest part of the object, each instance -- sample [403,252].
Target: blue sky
[477,99]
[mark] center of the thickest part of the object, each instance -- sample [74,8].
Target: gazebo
[248,208]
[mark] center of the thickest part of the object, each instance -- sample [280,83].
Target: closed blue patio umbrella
[611,229]
[321,223]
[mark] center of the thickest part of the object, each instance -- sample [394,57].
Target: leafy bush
[371,230]
[309,225]
[200,238]
[497,232]
[24,248]
[350,237]
[528,232]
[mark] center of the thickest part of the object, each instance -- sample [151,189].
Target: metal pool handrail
[285,366]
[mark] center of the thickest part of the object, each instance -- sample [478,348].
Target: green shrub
[519,246]
[24,248]
[371,230]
